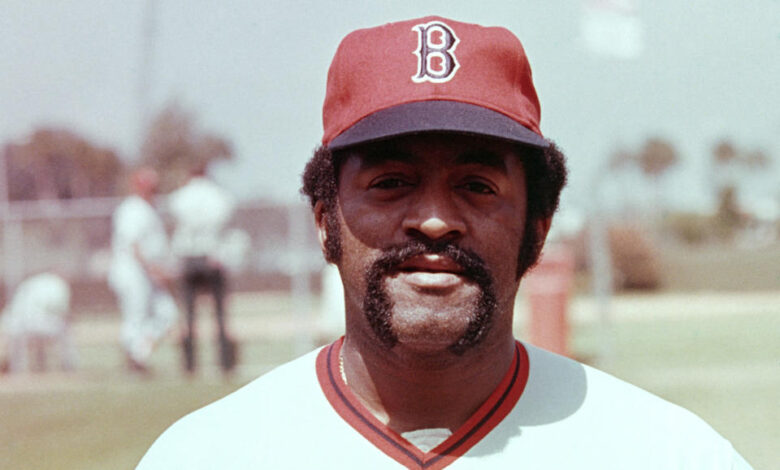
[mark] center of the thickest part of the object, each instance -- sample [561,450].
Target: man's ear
[530,253]
[322,230]
[542,229]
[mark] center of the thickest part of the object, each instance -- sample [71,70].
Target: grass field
[723,363]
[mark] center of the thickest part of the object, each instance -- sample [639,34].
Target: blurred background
[670,226]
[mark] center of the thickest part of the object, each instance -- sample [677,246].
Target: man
[140,272]
[201,210]
[433,192]
[38,317]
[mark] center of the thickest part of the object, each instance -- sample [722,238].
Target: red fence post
[548,287]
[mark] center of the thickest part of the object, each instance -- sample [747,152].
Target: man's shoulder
[268,394]
[134,207]
[567,401]
[575,387]
[253,413]
[197,194]
[199,188]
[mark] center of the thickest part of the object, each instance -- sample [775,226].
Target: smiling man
[432,192]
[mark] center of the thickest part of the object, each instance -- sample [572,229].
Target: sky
[254,72]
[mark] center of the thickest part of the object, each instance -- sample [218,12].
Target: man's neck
[409,391]
[149,198]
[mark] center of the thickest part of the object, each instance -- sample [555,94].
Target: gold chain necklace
[341,368]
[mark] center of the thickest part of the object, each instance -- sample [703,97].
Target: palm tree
[655,158]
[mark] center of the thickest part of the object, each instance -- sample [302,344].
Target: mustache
[474,267]
[378,306]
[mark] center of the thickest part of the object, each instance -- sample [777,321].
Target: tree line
[57,163]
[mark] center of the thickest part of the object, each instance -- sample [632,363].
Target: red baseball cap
[430,74]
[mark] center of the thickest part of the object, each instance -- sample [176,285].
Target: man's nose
[435,216]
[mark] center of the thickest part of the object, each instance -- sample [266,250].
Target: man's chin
[434,292]
[428,353]
[429,332]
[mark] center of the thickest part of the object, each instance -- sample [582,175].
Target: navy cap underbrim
[436,116]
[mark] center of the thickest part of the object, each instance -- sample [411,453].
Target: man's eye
[478,187]
[389,183]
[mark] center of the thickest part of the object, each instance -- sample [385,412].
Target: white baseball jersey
[36,319]
[40,306]
[148,312]
[202,209]
[549,412]
[136,224]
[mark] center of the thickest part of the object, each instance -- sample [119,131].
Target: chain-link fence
[275,244]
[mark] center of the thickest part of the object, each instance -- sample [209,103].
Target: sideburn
[333,231]
[530,249]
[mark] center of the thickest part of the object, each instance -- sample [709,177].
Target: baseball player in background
[140,272]
[433,191]
[36,321]
[201,210]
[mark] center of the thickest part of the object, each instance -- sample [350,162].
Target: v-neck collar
[488,415]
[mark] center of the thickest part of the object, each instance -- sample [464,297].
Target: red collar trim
[488,416]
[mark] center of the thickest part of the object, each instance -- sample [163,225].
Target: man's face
[431,226]
[146,182]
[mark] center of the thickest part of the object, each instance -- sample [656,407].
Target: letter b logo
[435,53]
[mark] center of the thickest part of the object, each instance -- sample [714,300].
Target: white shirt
[40,305]
[136,224]
[201,209]
[549,412]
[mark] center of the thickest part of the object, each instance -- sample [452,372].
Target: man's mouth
[432,263]
[431,272]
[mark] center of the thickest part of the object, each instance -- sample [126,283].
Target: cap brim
[436,116]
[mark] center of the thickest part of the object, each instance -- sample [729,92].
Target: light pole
[148,37]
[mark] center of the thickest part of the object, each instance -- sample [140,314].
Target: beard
[378,307]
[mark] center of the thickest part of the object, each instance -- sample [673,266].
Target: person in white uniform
[37,321]
[432,193]
[201,210]
[141,271]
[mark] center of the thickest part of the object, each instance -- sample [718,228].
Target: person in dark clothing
[202,209]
